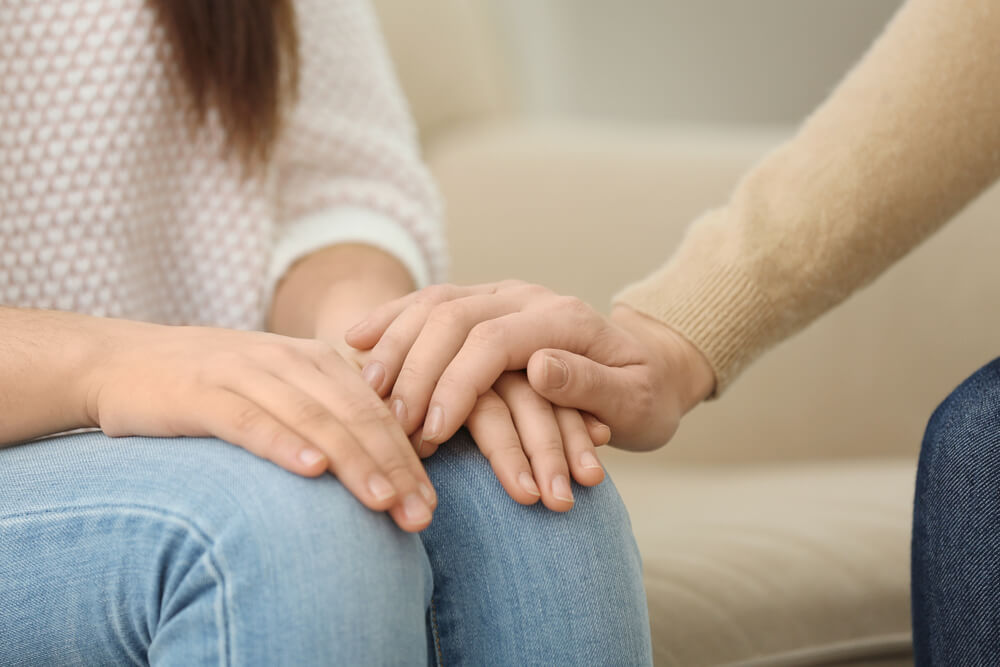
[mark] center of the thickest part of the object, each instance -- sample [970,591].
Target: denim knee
[961,446]
[956,527]
[525,585]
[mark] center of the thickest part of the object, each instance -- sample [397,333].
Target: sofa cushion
[773,565]
[447,61]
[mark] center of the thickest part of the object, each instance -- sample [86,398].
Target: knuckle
[449,384]
[510,284]
[395,468]
[509,455]
[435,294]
[447,315]
[486,334]
[368,413]
[535,290]
[544,444]
[575,306]
[551,446]
[409,376]
[248,419]
[491,408]
[593,378]
[643,396]
[309,413]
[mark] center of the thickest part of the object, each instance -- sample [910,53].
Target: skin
[444,346]
[534,448]
[294,396]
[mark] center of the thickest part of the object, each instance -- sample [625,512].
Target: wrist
[687,366]
[345,303]
[326,292]
[108,339]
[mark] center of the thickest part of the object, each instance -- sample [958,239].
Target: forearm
[907,139]
[47,357]
[329,290]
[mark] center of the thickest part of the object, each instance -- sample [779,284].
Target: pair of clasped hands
[539,380]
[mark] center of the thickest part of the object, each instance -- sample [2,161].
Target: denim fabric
[956,528]
[193,552]
[517,585]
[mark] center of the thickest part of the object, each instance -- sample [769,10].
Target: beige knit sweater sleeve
[905,141]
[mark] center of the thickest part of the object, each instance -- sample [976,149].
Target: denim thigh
[189,551]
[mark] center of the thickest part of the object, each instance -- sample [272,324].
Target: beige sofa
[775,527]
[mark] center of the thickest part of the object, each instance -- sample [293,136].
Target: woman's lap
[192,551]
[189,551]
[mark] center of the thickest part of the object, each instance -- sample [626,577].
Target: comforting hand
[296,402]
[534,447]
[442,348]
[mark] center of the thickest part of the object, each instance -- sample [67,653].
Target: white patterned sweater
[110,205]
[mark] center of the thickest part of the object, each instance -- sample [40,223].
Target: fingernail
[428,494]
[398,410]
[415,509]
[528,483]
[380,487]
[434,423]
[373,374]
[605,434]
[311,457]
[556,373]
[588,460]
[560,488]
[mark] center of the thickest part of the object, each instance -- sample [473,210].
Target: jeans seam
[436,632]
[215,570]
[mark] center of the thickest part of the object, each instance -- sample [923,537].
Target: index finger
[366,333]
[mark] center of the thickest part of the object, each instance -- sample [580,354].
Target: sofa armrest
[585,209]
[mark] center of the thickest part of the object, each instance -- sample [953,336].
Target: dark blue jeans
[956,528]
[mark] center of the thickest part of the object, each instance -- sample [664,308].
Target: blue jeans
[193,552]
[956,528]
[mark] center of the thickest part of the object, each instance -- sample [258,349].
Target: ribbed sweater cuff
[716,307]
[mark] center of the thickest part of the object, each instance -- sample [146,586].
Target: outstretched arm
[909,137]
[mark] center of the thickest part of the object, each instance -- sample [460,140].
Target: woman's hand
[534,447]
[443,347]
[295,402]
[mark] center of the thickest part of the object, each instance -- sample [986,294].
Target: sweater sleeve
[909,137]
[348,163]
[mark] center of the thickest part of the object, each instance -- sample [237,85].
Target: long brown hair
[239,57]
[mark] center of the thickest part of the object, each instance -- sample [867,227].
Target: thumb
[575,381]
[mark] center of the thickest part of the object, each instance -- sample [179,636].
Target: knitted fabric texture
[907,139]
[112,204]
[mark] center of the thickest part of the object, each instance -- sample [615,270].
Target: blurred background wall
[763,62]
